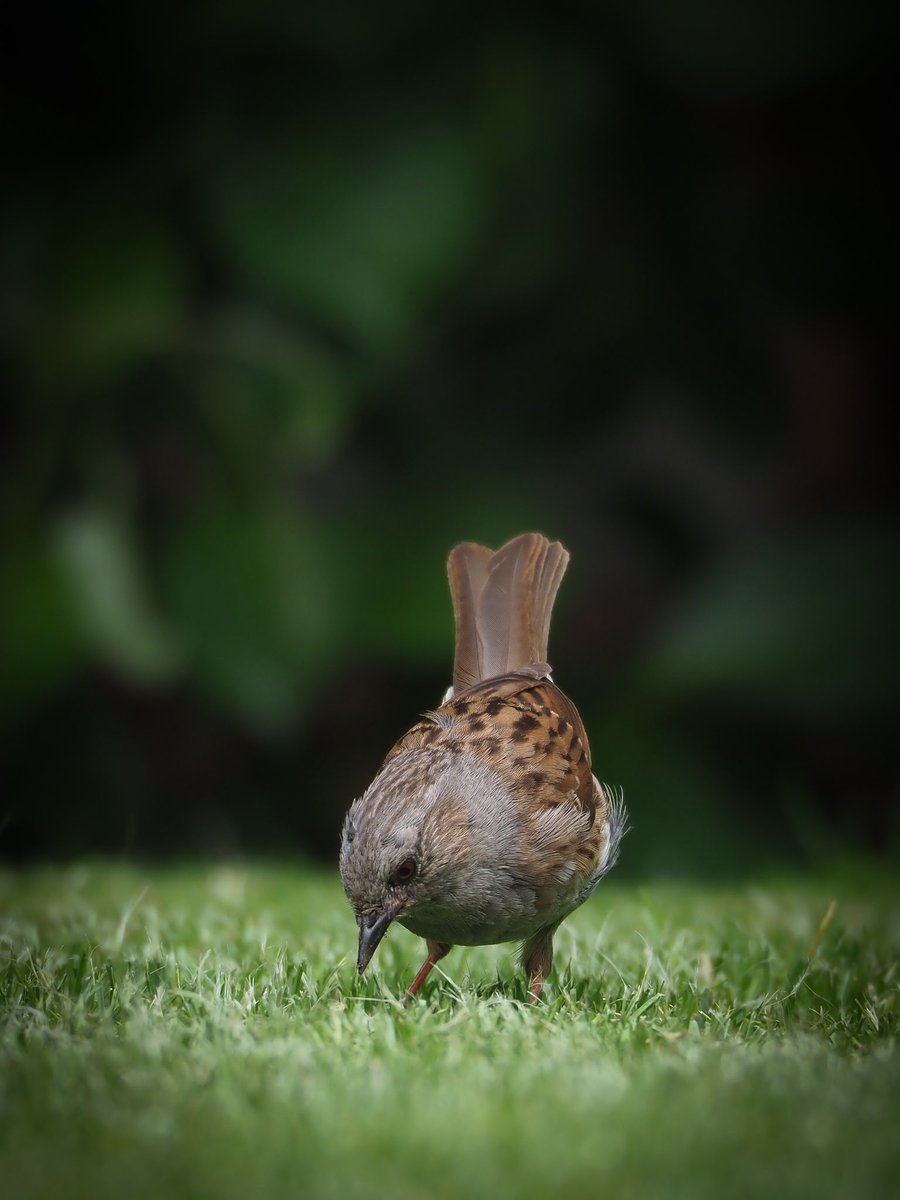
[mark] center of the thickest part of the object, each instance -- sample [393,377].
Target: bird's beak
[372,928]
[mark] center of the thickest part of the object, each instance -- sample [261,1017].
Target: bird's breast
[506,909]
[459,930]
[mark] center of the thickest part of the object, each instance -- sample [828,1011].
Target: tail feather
[467,568]
[556,559]
[502,603]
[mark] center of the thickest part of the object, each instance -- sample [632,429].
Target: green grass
[202,1033]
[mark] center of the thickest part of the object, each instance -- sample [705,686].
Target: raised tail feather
[502,602]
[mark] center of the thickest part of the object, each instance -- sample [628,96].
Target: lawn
[201,1032]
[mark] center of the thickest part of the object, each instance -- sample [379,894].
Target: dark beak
[372,928]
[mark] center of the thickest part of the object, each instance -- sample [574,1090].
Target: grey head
[421,847]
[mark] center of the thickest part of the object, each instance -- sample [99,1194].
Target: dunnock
[485,823]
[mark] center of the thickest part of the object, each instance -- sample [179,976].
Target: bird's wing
[527,728]
[522,725]
[530,732]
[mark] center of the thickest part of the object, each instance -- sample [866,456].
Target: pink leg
[436,951]
[534,989]
[537,959]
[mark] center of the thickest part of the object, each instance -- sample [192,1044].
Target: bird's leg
[537,959]
[436,951]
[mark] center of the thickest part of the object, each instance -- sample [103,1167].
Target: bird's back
[553,819]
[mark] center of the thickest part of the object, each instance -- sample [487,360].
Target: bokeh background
[296,296]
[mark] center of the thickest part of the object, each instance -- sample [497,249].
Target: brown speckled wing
[524,727]
[533,733]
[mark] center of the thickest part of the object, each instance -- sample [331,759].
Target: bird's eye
[406,871]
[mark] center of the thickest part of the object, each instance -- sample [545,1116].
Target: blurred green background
[294,297]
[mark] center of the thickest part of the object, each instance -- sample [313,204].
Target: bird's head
[407,847]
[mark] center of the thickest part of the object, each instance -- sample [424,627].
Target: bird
[485,823]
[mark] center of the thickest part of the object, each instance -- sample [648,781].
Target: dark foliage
[295,297]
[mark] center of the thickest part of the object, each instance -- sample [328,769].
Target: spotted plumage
[489,803]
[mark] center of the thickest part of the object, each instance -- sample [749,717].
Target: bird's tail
[502,601]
